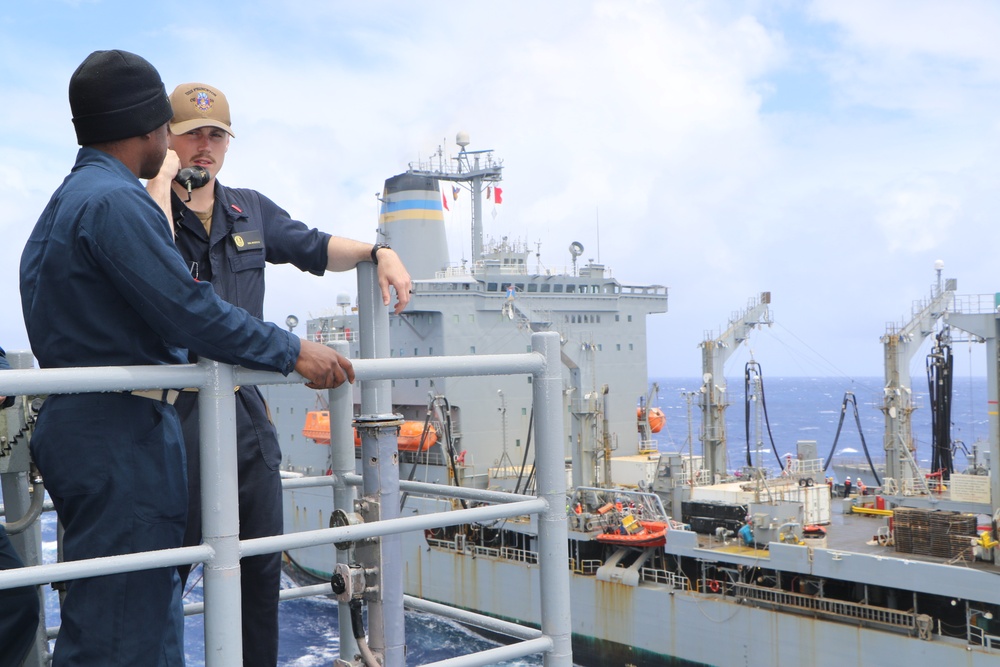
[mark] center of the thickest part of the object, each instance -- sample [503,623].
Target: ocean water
[809,409]
[798,409]
[309,631]
[310,635]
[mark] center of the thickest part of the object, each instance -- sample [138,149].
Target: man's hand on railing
[322,366]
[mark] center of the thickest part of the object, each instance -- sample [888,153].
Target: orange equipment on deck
[317,428]
[656,418]
[647,534]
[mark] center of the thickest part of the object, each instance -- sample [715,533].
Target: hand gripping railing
[222,548]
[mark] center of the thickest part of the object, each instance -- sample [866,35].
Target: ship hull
[648,624]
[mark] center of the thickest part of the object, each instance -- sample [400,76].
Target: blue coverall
[103,284]
[18,606]
[247,230]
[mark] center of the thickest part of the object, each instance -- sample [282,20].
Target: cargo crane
[713,403]
[900,345]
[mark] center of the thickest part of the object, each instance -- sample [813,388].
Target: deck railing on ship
[222,549]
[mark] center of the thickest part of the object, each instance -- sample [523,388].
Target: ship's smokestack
[412,221]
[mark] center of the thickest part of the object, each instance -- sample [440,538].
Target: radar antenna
[575,249]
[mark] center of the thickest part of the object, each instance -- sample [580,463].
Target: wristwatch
[375,249]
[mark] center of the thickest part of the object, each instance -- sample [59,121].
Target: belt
[161,395]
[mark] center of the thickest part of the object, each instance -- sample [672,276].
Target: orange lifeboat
[656,418]
[410,433]
[317,428]
[638,533]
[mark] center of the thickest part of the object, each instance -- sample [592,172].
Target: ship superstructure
[673,559]
[492,306]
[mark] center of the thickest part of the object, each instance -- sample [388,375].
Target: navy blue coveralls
[102,284]
[247,231]
[18,606]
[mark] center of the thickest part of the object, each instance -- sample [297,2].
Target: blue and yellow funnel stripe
[409,197]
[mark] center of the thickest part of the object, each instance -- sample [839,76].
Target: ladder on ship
[917,483]
[528,318]
[918,477]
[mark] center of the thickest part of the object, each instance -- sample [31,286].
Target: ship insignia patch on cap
[203,102]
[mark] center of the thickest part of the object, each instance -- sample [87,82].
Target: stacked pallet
[934,533]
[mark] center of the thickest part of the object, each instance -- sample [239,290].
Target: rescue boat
[636,533]
[317,428]
[410,434]
[656,418]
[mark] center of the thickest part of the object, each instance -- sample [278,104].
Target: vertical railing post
[378,427]
[553,532]
[220,517]
[341,401]
[15,480]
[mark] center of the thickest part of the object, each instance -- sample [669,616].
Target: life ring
[713,585]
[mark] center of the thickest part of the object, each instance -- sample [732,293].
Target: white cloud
[918,216]
[824,154]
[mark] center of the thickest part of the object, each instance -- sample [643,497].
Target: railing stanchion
[553,532]
[220,517]
[341,403]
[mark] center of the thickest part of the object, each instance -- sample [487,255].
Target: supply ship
[674,558]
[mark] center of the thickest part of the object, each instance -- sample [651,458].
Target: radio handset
[192,178]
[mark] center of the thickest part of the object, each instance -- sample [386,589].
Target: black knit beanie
[116,95]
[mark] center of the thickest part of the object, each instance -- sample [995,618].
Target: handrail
[222,549]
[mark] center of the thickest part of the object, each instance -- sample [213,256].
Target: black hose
[451,448]
[420,448]
[939,383]
[767,421]
[746,411]
[527,447]
[357,622]
[849,398]
[358,628]
[864,445]
[530,482]
[763,405]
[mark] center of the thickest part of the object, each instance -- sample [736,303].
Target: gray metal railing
[222,549]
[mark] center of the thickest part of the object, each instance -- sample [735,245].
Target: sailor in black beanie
[115,95]
[102,284]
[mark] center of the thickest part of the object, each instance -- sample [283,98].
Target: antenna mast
[473,169]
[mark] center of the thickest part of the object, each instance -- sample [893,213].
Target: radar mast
[473,170]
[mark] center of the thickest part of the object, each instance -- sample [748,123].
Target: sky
[827,152]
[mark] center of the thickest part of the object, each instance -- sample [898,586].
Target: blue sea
[798,409]
[810,409]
